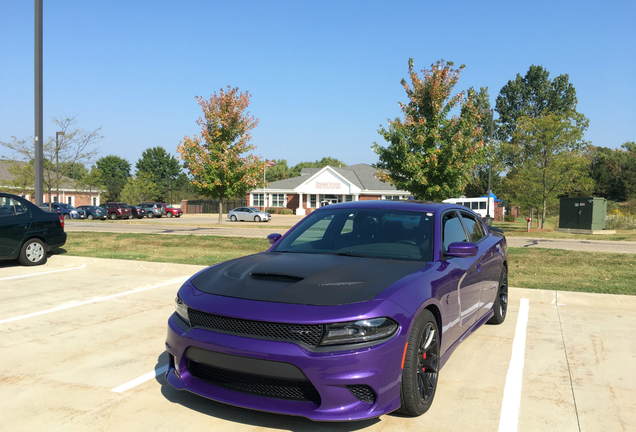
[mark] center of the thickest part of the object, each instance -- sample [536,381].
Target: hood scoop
[233,273]
[276,277]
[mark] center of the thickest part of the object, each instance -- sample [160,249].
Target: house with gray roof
[316,187]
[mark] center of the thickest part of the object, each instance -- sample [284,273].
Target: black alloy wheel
[421,366]
[500,308]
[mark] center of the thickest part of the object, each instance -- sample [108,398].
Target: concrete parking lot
[82,348]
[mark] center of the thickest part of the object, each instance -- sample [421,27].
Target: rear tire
[421,366]
[33,253]
[233,218]
[151,215]
[501,302]
[90,217]
[169,215]
[113,216]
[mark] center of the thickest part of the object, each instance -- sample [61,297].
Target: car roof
[427,206]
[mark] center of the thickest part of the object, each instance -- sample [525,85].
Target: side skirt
[468,332]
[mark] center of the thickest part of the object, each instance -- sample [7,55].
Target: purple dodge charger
[349,315]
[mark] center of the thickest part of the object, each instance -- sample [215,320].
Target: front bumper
[352,384]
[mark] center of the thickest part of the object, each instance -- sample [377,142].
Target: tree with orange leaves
[218,160]
[431,154]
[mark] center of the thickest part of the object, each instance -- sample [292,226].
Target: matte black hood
[308,279]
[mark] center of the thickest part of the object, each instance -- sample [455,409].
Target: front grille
[254,384]
[309,334]
[362,392]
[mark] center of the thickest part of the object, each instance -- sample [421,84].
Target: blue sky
[323,75]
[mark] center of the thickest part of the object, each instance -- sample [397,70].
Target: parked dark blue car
[28,232]
[93,212]
[349,315]
[66,210]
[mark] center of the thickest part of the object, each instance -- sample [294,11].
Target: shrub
[509,218]
[619,221]
[278,210]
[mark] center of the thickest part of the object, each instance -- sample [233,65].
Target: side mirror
[462,250]
[273,238]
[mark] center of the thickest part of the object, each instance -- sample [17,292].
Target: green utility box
[583,213]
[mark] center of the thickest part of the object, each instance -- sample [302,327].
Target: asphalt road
[205,225]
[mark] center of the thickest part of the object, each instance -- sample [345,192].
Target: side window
[7,206]
[452,229]
[474,205]
[474,227]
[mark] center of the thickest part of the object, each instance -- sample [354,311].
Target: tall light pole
[57,161]
[492,122]
[39,141]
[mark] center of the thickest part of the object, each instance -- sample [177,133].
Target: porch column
[300,210]
[356,197]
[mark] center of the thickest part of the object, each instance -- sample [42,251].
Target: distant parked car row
[114,211]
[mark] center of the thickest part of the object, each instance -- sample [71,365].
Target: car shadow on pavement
[246,416]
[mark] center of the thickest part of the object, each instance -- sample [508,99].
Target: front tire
[421,366]
[33,253]
[501,302]
[66,216]
[257,218]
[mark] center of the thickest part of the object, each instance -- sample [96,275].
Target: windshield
[378,233]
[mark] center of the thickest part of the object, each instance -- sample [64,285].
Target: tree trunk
[220,209]
[543,212]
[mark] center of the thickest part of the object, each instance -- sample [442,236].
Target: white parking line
[94,300]
[509,418]
[142,379]
[43,273]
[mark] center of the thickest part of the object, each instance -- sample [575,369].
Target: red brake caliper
[424,358]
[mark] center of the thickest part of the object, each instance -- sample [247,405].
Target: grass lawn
[548,269]
[519,229]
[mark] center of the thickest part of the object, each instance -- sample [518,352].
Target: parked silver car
[153,209]
[248,214]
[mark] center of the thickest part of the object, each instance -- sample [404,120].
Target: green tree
[532,95]
[614,172]
[430,153]
[139,189]
[93,181]
[115,172]
[162,168]
[218,160]
[280,171]
[296,169]
[550,155]
[74,170]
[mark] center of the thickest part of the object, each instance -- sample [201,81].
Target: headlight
[358,331]
[182,309]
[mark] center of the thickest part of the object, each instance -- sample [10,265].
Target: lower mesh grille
[362,392]
[254,384]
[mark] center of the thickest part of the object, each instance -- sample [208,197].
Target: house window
[94,201]
[313,202]
[348,198]
[258,200]
[278,200]
[70,200]
[391,197]
[54,199]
